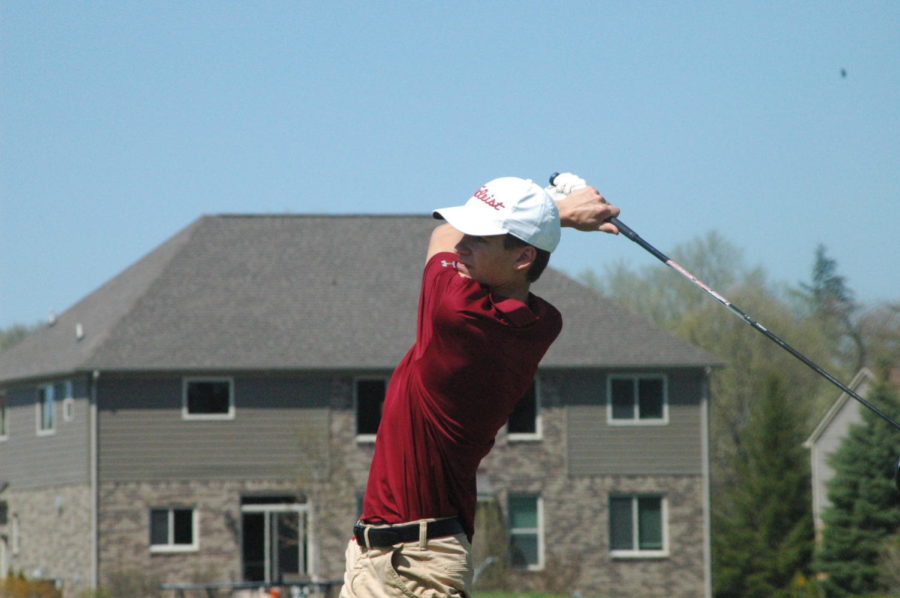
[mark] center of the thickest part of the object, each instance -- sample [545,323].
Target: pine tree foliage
[763,541]
[865,506]
[831,301]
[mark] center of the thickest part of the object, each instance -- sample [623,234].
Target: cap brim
[462,219]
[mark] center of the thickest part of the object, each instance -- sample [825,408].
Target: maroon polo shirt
[472,361]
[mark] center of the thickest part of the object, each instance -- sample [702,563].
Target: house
[830,433]
[208,415]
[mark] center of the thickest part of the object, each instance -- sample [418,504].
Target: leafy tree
[12,335]
[662,295]
[864,509]
[763,541]
[880,327]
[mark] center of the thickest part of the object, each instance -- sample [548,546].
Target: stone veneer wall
[54,534]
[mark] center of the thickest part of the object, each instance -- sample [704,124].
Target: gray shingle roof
[300,292]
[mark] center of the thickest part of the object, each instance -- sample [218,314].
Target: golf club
[628,232]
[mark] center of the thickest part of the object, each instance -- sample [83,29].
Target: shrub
[17,586]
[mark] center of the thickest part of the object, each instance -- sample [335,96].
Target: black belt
[382,537]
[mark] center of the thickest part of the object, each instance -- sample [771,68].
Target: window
[525,421]
[637,400]
[4,421]
[369,400]
[46,409]
[48,395]
[208,398]
[173,530]
[637,525]
[274,538]
[526,549]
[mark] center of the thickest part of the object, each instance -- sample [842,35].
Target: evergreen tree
[830,300]
[865,507]
[763,539]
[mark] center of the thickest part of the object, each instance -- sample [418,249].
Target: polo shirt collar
[517,313]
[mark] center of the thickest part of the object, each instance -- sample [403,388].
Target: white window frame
[185,415]
[637,552]
[171,547]
[636,419]
[538,433]
[365,438]
[538,531]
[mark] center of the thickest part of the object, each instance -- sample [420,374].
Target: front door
[274,540]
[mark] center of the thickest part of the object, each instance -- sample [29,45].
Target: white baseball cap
[511,205]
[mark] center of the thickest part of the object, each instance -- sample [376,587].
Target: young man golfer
[479,338]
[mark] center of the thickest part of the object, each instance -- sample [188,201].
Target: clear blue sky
[122,122]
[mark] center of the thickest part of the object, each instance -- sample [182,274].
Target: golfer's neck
[512,291]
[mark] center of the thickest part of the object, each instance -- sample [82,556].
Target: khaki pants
[434,568]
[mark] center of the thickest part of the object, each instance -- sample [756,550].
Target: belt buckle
[378,537]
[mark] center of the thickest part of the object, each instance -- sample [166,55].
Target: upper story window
[637,400]
[208,398]
[637,526]
[525,421]
[368,400]
[48,395]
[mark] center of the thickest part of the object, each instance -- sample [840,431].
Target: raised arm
[443,238]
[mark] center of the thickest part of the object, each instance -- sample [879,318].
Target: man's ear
[526,257]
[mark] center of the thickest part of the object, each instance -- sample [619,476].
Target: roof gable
[860,385]
[301,292]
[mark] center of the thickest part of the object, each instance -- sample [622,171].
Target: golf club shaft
[628,232]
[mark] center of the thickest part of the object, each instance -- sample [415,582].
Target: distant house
[209,414]
[831,432]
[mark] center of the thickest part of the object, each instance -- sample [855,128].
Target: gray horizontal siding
[596,448]
[280,427]
[29,461]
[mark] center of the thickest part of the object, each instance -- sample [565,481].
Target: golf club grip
[628,232]
[633,236]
